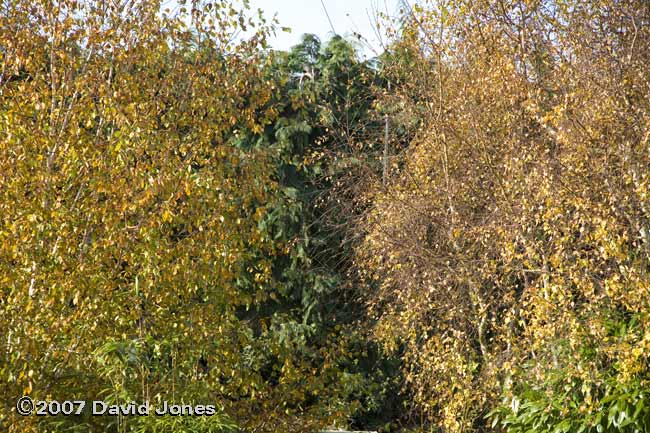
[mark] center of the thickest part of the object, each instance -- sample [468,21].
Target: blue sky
[308,16]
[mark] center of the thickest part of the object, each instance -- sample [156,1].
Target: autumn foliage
[126,216]
[452,237]
[508,254]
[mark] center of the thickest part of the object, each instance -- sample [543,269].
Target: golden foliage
[516,223]
[124,214]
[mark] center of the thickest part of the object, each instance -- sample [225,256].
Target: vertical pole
[385,165]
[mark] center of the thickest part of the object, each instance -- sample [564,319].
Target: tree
[325,369]
[126,216]
[506,257]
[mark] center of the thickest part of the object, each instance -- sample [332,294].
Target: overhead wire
[328,16]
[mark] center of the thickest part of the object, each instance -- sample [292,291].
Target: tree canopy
[453,236]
